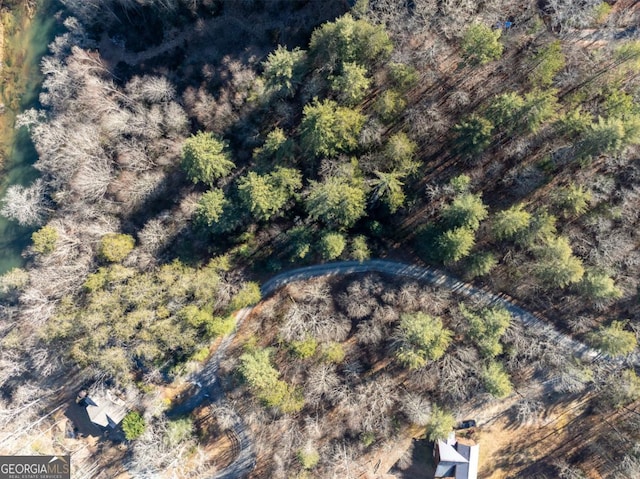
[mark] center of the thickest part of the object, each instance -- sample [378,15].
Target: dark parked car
[466,424]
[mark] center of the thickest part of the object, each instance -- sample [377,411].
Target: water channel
[24,43]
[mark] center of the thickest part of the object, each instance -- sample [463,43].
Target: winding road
[210,386]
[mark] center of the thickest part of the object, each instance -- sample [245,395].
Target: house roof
[105,409]
[457,460]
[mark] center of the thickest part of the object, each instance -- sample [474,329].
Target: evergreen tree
[480,264]
[389,105]
[420,338]
[509,223]
[387,188]
[440,425]
[115,247]
[351,85]
[546,64]
[205,158]
[336,202]
[400,153]
[211,207]
[328,129]
[473,135]
[481,44]
[614,340]
[496,380]
[265,195]
[598,286]
[332,245]
[573,200]
[465,211]
[455,244]
[45,239]
[558,267]
[487,327]
[284,69]
[133,425]
[277,147]
[348,40]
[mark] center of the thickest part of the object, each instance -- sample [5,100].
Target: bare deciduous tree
[26,205]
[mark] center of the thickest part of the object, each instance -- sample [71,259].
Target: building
[104,408]
[456,459]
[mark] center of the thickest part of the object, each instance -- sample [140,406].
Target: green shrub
[599,287]
[614,340]
[547,63]
[336,201]
[327,129]
[178,431]
[115,247]
[509,223]
[276,147]
[351,85]
[303,349]
[211,207]
[465,211]
[400,153]
[332,245]
[333,353]
[558,267]
[248,295]
[455,244]
[359,249]
[284,69]
[573,200]
[473,135]
[133,425]
[308,458]
[44,240]
[349,40]
[404,77]
[263,380]
[218,326]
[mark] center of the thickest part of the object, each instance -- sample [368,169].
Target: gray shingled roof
[105,409]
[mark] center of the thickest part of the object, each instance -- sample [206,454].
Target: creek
[24,42]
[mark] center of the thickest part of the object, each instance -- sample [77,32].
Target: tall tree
[465,211]
[265,195]
[336,201]
[473,135]
[348,40]
[455,244]
[387,188]
[351,85]
[509,223]
[284,69]
[420,338]
[558,267]
[327,129]
[205,158]
[481,44]
[614,340]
